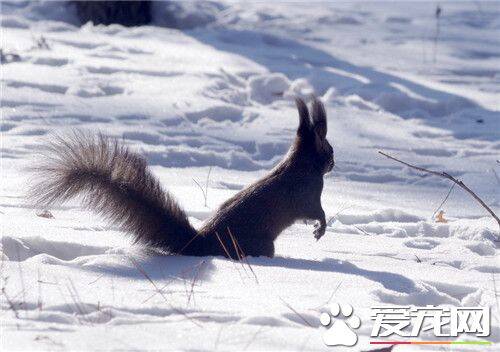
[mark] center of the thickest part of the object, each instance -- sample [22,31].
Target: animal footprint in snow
[340,332]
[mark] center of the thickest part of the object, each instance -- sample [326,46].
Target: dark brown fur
[117,184]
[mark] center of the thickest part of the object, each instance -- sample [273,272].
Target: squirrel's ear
[319,118]
[304,121]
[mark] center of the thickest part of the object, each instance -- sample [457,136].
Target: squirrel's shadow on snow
[400,96]
[173,267]
[154,266]
[143,265]
[390,281]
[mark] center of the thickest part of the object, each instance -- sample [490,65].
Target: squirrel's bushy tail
[115,183]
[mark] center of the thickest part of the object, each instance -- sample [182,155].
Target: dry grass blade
[444,200]
[11,304]
[495,293]
[145,274]
[295,311]
[21,275]
[223,246]
[343,208]
[496,176]
[193,282]
[73,293]
[334,292]
[189,242]
[161,290]
[242,254]
[97,279]
[39,302]
[331,296]
[259,330]
[451,178]
[204,191]
[361,230]
[236,247]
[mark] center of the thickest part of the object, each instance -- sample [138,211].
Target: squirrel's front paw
[319,230]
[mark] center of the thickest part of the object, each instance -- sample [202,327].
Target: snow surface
[218,95]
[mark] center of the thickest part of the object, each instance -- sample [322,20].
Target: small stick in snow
[451,178]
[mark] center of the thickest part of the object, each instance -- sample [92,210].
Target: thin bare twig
[451,178]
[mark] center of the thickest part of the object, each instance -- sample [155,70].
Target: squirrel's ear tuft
[304,120]
[319,118]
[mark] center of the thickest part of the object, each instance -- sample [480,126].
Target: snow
[218,95]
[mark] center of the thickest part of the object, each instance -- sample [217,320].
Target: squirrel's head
[311,139]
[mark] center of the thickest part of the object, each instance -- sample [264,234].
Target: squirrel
[116,183]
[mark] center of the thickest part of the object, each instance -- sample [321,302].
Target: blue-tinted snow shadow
[390,281]
[155,267]
[397,95]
